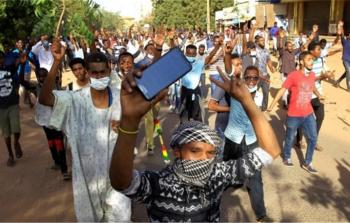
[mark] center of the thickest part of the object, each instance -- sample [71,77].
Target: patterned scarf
[194,131]
[194,172]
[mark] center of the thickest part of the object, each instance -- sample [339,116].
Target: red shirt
[301,88]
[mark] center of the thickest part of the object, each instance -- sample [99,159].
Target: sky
[129,8]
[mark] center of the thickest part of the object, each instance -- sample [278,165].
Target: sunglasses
[247,78]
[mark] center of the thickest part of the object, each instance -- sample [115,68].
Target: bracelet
[128,132]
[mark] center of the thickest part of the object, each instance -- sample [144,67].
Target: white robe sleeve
[56,117]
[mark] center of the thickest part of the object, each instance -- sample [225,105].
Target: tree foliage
[187,14]
[28,18]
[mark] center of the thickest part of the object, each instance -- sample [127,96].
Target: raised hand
[159,38]
[57,50]
[233,86]
[233,42]
[245,28]
[171,34]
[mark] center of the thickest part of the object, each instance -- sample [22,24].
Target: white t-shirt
[76,86]
[44,56]
[92,142]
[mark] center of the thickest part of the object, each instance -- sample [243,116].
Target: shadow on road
[320,190]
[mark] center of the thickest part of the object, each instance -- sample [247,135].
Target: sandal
[66,176]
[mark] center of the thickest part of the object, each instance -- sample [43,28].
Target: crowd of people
[99,113]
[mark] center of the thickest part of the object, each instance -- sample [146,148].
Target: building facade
[299,14]
[303,14]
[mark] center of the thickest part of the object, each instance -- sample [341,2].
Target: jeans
[308,124]
[254,184]
[174,95]
[265,90]
[347,73]
[318,108]
[202,83]
[212,84]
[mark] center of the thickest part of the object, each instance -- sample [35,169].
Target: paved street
[30,191]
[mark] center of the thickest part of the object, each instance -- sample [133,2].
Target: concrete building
[303,14]
[300,14]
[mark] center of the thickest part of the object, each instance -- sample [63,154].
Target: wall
[316,12]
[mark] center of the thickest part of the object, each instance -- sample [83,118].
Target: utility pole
[208,16]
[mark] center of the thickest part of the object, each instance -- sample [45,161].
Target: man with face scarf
[191,188]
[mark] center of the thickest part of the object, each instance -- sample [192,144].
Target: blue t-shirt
[274,31]
[192,78]
[346,49]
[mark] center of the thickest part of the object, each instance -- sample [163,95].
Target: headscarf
[194,131]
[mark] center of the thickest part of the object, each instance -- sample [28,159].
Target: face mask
[194,172]
[99,84]
[150,56]
[307,70]
[253,89]
[46,44]
[191,59]
[253,53]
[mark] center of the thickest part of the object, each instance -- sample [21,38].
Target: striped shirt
[263,57]
[318,68]
[220,62]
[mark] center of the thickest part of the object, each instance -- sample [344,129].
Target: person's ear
[177,153]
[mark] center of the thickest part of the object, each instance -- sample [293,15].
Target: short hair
[257,37]
[76,61]
[149,44]
[125,54]
[251,68]
[191,46]
[303,55]
[323,41]
[313,45]
[201,46]
[235,56]
[96,58]
[42,70]
[287,42]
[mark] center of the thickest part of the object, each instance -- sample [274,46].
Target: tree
[24,18]
[185,13]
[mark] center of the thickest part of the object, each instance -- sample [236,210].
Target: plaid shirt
[263,56]
[170,199]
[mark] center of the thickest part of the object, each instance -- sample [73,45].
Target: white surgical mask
[150,56]
[307,71]
[253,53]
[99,84]
[191,59]
[253,89]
